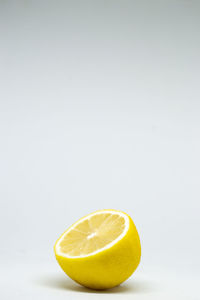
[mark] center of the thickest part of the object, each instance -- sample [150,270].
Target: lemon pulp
[93,234]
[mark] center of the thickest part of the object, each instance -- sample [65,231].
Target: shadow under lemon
[64,283]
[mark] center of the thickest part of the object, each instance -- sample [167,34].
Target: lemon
[101,250]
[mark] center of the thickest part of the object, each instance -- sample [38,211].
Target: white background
[99,108]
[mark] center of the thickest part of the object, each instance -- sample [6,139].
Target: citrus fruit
[101,250]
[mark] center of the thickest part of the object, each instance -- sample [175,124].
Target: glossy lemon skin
[107,268]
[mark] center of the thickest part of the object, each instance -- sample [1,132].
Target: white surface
[99,108]
[44,281]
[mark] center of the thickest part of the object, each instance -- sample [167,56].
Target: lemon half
[101,250]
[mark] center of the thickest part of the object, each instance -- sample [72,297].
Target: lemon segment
[101,250]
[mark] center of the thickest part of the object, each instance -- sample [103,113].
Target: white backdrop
[99,108]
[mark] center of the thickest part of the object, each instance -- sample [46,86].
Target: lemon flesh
[100,250]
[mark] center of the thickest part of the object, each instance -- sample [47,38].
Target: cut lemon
[101,250]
